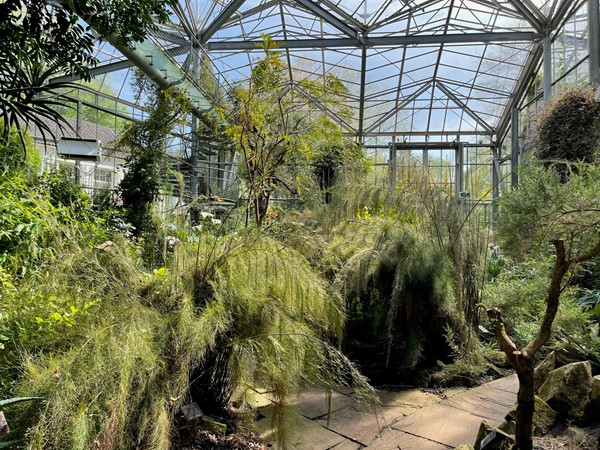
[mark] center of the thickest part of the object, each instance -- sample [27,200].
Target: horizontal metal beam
[467,38]
[96,71]
[113,112]
[334,21]
[113,67]
[452,133]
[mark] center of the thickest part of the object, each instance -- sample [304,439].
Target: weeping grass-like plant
[277,321]
[380,244]
[265,318]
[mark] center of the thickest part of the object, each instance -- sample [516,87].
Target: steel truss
[433,70]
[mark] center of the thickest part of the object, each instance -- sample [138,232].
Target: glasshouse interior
[299,224]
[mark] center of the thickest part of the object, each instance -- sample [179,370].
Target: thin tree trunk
[525,402]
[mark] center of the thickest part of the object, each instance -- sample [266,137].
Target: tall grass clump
[229,314]
[118,380]
[276,323]
[409,261]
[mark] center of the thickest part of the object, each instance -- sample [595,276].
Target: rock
[554,360]
[464,447]
[568,388]
[4,430]
[491,438]
[215,426]
[543,370]
[508,426]
[191,412]
[595,394]
[544,416]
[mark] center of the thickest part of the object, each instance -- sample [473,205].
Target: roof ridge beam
[328,17]
[463,106]
[463,38]
[220,20]
[401,105]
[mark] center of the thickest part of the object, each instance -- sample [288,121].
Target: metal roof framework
[419,70]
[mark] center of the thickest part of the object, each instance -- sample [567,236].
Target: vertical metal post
[195,144]
[514,155]
[496,177]
[393,167]
[459,171]
[594,41]
[78,124]
[547,67]
[361,100]
[79,118]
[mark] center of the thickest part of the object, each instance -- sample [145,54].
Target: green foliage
[274,125]
[520,293]
[544,208]
[273,318]
[569,129]
[145,143]
[469,365]
[29,225]
[39,41]
[257,305]
[15,158]
[400,293]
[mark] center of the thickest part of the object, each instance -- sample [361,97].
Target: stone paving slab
[347,445]
[484,403]
[441,423]
[408,420]
[396,439]
[314,402]
[456,420]
[355,425]
[305,435]
[414,398]
[509,384]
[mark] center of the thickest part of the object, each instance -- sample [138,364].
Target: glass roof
[413,68]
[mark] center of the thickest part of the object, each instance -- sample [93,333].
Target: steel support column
[459,175]
[361,102]
[496,177]
[594,41]
[514,177]
[547,65]
[393,166]
[195,150]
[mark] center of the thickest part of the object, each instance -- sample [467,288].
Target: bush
[568,130]
[520,293]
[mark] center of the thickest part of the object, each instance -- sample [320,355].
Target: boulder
[491,438]
[595,393]
[544,416]
[554,360]
[508,426]
[4,430]
[214,425]
[568,388]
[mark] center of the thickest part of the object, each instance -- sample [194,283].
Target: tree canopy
[41,39]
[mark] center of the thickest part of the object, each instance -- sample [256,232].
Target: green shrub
[520,293]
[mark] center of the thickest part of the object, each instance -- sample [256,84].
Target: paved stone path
[408,420]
